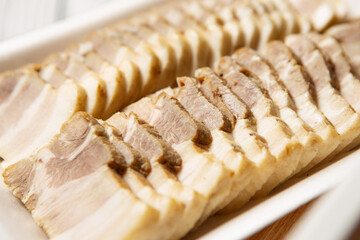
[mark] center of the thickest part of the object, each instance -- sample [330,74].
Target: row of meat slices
[119,64]
[172,159]
[115,66]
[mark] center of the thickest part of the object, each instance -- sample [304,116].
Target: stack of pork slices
[119,64]
[170,160]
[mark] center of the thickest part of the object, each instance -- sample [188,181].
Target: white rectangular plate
[15,221]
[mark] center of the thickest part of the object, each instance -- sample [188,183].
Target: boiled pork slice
[126,77]
[19,89]
[219,39]
[140,136]
[285,22]
[94,86]
[246,17]
[223,146]
[135,176]
[276,17]
[297,82]
[267,27]
[173,37]
[8,83]
[348,83]
[322,13]
[114,81]
[50,73]
[232,27]
[348,34]
[42,118]
[158,151]
[194,101]
[329,101]
[270,81]
[304,24]
[122,57]
[195,34]
[191,139]
[282,142]
[245,133]
[132,157]
[148,62]
[161,47]
[73,187]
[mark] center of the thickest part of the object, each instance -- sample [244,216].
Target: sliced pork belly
[51,74]
[285,22]
[297,82]
[163,178]
[191,97]
[348,34]
[132,157]
[322,13]
[282,142]
[19,89]
[190,139]
[176,116]
[169,209]
[265,24]
[218,38]
[270,81]
[264,8]
[223,146]
[8,83]
[349,85]
[119,87]
[232,27]
[121,57]
[114,81]
[161,48]
[290,18]
[260,24]
[329,101]
[302,23]
[246,17]
[161,152]
[242,14]
[195,34]
[94,86]
[42,119]
[173,37]
[73,186]
[147,61]
[245,133]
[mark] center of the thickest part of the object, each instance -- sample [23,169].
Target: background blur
[20,16]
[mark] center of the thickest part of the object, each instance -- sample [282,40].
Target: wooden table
[279,229]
